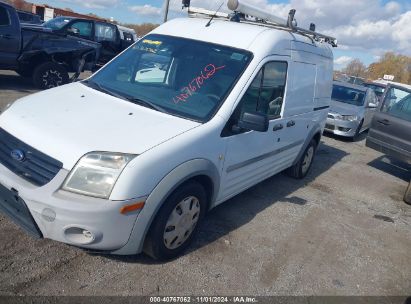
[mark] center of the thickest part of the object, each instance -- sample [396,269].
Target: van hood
[344,108]
[72,120]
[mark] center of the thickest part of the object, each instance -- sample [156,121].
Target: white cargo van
[124,162]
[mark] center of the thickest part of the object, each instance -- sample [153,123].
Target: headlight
[96,173]
[349,117]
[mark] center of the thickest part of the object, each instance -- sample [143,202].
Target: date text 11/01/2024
[204,299]
[196,84]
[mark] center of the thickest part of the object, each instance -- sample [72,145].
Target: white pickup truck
[124,162]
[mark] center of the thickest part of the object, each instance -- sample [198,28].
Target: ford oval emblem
[17,154]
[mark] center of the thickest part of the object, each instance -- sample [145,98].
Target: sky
[365,29]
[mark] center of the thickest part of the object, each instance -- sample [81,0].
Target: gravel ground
[344,230]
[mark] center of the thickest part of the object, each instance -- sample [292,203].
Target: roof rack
[246,13]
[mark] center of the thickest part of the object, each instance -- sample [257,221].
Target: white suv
[124,161]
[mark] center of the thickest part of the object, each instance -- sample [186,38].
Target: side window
[84,28]
[105,32]
[4,17]
[266,92]
[398,103]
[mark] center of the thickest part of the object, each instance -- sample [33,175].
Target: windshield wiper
[99,87]
[132,99]
[146,104]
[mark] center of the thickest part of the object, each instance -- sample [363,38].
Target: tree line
[389,64]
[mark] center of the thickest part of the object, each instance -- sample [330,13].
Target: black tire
[407,195]
[49,75]
[155,243]
[25,73]
[300,170]
[357,132]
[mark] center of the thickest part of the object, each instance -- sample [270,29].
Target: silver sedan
[351,110]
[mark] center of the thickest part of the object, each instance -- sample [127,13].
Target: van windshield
[182,77]
[348,95]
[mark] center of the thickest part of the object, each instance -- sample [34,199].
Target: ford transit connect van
[132,158]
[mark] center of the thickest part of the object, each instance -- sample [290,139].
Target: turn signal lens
[130,208]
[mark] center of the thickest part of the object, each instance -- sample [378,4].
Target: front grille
[329,127]
[36,167]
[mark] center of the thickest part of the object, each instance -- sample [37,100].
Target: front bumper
[15,208]
[48,212]
[341,127]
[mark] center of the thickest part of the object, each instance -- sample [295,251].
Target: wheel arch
[200,170]
[317,137]
[315,133]
[29,60]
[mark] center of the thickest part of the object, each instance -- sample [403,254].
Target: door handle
[384,122]
[291,123]
[278,127]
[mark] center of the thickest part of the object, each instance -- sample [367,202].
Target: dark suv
[390,131]
[107,34]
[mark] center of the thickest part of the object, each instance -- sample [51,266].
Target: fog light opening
[88,234]
[81,236]
[344,129]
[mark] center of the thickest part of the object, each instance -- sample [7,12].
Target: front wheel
[177,222]
[301,168]
[49,75]
[358,131]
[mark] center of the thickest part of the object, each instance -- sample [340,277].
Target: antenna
[215,14]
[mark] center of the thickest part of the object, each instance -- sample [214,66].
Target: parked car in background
[29,18]
[350,79]
[127,35]
[390,131]
[378,87]
[44,56]
[112,38]
[351,111]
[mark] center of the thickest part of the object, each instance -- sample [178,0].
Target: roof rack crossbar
[261,18]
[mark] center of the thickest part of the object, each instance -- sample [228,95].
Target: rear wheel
[49,75]
[302,167]
[177,222]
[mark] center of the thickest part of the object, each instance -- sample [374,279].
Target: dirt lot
[344,230]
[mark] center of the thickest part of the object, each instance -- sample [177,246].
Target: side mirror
[74,31]
[372,105]
[254,121]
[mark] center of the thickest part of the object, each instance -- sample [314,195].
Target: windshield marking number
[197,83]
